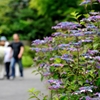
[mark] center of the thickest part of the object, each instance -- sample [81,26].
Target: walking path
[17,89]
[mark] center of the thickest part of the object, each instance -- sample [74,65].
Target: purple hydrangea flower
[38,41]
[85,2]
[86,41]
[97,94]
[91,18]
[67,58]
[50,49]
[44,65]
[52,81]
[36,49]
[99,1]
[77,34]
[92,52]
[57,34]
[44,49]
[90,27]
[48,39]
[41,65]
[72,49]
[88,2]
[57,65]
[52,59]
[62,46]
[76,93]
[66,26]
[86,89]
[85,20]
[95,13]
[55,87]
[97,58]
[98,67]
[78,44]
[55,57]
[94,18]
[75,31]
[87,81]
[46,74]
[89,33]
[55,84]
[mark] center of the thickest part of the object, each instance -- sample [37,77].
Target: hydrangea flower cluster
[56,84]
[69,59]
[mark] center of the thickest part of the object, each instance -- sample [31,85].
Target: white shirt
[7,53]
[6,44]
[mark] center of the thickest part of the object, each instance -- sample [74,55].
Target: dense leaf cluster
[70,58]
[33,18]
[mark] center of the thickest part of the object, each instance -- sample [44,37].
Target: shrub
[27,61]
[28,56]
[70,58]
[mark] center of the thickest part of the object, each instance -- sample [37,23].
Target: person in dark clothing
[17,49]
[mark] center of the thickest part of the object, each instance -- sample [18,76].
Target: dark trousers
[7,68]
[14,61]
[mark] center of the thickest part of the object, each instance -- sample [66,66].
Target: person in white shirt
[7,55]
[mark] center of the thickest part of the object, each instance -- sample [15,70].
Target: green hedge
[28,56]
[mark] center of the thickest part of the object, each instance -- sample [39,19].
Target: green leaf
[31,97]
[34,71]
[95,46]
[42,77]
[98,82]
[57,60]
[55,76]
[31,90]
[80,83]
[45,97]
[63,98]
[52,69]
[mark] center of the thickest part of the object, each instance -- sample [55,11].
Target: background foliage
[28,56]
[34,18]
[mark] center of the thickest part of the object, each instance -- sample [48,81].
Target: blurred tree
[34,18]
[4,9]
[23,20]
[58,10]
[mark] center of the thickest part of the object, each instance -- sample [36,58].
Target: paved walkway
[18,89]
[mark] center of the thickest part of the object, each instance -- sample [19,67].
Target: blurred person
[17,49]
[6,50]
[1,61]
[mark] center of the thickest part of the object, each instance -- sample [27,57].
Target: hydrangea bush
[70,58]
